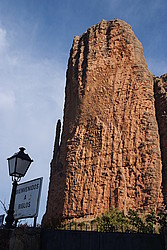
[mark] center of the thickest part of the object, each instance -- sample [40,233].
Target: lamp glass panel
[11,163]
[22,167]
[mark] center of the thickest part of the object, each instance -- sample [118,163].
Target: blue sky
[35,41]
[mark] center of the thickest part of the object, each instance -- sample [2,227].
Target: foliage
[162,220]
[151,221]
[137,224]
[116,221]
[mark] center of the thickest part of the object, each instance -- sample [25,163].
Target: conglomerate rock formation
[109,154]
[161,111]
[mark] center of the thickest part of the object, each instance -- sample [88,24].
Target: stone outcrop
[161,111]
[109,154]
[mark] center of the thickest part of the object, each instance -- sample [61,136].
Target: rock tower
[109,154]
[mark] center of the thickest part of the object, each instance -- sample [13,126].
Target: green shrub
[116,221]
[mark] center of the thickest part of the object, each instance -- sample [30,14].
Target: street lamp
[18,165]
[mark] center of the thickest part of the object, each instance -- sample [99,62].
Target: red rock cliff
[109,153]
[161,111]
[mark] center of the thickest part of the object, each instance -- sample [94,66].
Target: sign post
[27,199]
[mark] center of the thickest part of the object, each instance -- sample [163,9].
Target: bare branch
[3,206]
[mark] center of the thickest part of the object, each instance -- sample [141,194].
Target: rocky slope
[109,153]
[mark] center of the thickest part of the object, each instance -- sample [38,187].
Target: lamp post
[18,165]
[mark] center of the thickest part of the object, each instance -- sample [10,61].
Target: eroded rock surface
[161,111]
[109,153]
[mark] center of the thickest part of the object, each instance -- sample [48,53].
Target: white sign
[27,199]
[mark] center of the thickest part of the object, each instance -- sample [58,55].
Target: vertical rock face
[161,111]
[109,153]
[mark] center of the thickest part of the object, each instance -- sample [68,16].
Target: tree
[151,221]
[137,224]
[116,221]
[162,220]
[113,221]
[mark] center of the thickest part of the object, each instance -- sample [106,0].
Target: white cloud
[7,101]
[31,101]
